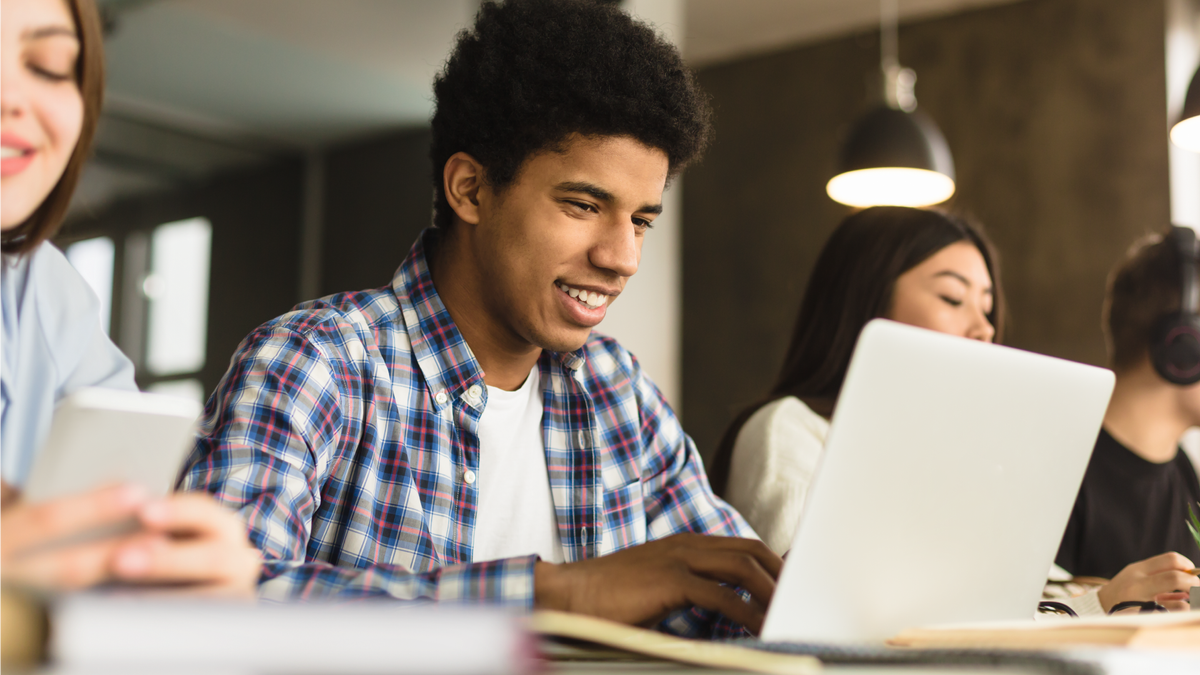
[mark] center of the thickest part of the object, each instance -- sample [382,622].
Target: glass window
[177,292]
[93,259]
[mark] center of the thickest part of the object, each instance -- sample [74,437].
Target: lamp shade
[893,158]
[1186,133]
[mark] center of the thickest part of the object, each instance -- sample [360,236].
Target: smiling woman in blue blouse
[53,343]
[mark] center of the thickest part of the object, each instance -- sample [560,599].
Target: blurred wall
[1055,111]
[377,200]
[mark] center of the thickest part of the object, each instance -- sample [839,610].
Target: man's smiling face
[555,248]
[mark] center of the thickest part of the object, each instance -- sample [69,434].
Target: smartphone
[103,436]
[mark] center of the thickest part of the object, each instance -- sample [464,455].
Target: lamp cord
[898,82]
[889,35]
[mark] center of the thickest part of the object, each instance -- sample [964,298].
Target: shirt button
[469,477]
[582,438]
[441,398]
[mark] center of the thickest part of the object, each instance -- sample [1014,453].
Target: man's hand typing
[643,584]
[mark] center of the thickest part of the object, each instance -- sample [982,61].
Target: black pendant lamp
[895,155]
[1186,132]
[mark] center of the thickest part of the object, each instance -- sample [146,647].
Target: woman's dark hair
[851,284]
[531,73]
[89,77]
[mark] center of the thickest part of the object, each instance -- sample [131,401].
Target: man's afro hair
[530,73]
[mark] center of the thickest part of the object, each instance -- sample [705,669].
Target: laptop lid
[947,480]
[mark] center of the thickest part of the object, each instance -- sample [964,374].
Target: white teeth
[586,297]
[7,152]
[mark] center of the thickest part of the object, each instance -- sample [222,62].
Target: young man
[1133,503]
[462,435]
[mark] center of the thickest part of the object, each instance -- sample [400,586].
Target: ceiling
[721,30]
[198,86]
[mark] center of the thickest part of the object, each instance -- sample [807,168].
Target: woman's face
[41,109]
[950,292]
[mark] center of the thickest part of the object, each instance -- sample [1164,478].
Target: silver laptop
[948,477]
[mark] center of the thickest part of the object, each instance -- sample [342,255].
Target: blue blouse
[53,344]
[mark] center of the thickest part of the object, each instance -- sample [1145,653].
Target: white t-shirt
[515,515]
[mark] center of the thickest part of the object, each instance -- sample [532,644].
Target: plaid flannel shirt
[343,430]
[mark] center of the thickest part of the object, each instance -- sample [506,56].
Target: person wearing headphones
[1133,503]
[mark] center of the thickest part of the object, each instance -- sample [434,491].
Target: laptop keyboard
[1042,662]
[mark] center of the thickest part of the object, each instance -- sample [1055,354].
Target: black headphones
[1175,343]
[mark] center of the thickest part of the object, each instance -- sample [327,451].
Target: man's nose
[619,249]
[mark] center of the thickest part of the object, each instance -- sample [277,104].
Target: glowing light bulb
[1186,134]
[890,186]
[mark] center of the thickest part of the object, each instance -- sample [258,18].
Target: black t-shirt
[1128,509]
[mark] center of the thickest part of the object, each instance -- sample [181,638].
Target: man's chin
[565,341]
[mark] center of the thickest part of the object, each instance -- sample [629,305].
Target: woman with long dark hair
[917,266]
[53,343]
[921,267]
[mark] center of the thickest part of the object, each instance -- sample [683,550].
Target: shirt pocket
[624,517]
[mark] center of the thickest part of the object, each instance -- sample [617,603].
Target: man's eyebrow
[956,275]
[594,191]
[50,31]
[600,194]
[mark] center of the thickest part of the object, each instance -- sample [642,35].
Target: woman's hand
[190,540]
[31,552]
[1163,579]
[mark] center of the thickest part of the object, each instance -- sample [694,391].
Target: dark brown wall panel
[378,199]
[1055,112]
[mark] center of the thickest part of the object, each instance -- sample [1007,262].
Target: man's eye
[582,205]
[643,223]
[951,301]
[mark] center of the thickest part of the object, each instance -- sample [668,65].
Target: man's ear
[462,178]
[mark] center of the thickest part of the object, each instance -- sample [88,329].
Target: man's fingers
[736,568]
[29,525]
[767,559]
[713,596]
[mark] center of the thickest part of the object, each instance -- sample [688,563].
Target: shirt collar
[443,356]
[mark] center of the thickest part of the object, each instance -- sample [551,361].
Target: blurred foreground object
[125,634]
[22,629]
[895,155]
